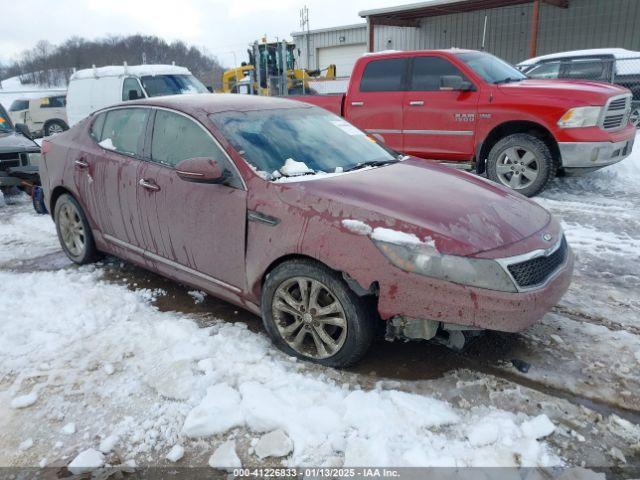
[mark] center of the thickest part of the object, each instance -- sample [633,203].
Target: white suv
[44,116]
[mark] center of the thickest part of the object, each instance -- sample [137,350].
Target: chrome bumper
[592,155]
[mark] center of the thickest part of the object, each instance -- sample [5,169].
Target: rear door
[438,123]
[375,105]
[197,228]
[108,173]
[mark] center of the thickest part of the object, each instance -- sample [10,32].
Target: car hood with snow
[462,213]
[565,91]
[12,142]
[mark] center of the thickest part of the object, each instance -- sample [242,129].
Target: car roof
[409,53]
[218,102]
[618,53]
[134,70]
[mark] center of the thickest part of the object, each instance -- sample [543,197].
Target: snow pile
[107,143]
[86,461]
[291,168]
[23,234]
[356,226]
[225,456]
[227,377]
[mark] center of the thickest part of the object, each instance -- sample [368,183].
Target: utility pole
[304,26]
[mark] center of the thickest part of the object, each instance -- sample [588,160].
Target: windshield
[299,141]
[5,124]
[490,68]
[158,85]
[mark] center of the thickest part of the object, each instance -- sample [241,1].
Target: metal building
[511,29]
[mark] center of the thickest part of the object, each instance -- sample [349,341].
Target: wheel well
[509,128]
[353,284]
[55,194]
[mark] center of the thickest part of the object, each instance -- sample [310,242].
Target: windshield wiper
[372,163]
[508,80]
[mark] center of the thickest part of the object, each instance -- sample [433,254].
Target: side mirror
[210,88]
[201,170]
[22,129]
[133,95]
[454,82]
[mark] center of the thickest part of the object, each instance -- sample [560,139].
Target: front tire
[74,232]
[521,162]
[310,313]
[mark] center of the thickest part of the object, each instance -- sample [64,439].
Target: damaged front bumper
[410,296]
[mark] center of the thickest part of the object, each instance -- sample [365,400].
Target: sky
[221,27]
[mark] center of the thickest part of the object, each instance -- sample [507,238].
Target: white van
[94,88]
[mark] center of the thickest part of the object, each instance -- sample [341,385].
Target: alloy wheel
[517,167]
[72,230]
[634,117]
[54,129]
[309,317]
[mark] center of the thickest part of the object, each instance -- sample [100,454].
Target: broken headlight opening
[424,260]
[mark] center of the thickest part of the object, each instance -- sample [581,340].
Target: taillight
[46,147]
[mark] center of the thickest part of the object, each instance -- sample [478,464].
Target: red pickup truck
[475,110]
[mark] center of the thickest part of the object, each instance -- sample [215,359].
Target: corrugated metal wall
[507,32]
[589,24]
[327,38]
[585,24]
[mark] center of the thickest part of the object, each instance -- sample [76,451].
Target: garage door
[343,57]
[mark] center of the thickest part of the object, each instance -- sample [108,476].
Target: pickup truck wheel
[521,162]
[74,231]
[310,313]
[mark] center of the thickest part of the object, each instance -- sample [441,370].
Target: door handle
[148,185]
[81,163]
[416,103]
[357,104]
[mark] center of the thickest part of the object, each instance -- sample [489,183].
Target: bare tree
[51,65]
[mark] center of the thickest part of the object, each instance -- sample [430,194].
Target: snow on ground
[12,89]
[174,381]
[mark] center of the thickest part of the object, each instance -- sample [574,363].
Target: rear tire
[55,127]
[521,162]
[311,313]
[74,232]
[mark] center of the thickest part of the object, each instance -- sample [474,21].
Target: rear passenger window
[123,130]
[177,138]
[96,127]
[427,72]
[383,75]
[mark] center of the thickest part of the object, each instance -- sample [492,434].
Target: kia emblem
[547,237]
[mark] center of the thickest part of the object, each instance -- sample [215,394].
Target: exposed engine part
[454,336]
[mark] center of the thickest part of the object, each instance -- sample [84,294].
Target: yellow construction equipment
[276,73]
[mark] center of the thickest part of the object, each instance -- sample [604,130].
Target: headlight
[580,117]
[425,260]
[34,158]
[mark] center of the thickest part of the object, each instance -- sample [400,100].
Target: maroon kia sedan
[294,214]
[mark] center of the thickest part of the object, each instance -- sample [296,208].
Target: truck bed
[331,102]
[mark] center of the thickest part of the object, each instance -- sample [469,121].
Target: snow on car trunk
[169,380]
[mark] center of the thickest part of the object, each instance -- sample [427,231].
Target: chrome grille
[616,113]
[537,270]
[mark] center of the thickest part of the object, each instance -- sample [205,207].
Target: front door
[438,124]
[194,227]
[375,105]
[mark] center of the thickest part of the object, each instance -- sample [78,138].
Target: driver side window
[131,89]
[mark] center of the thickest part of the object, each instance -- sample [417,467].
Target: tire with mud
[74,232]
[311,313]
[521,162]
